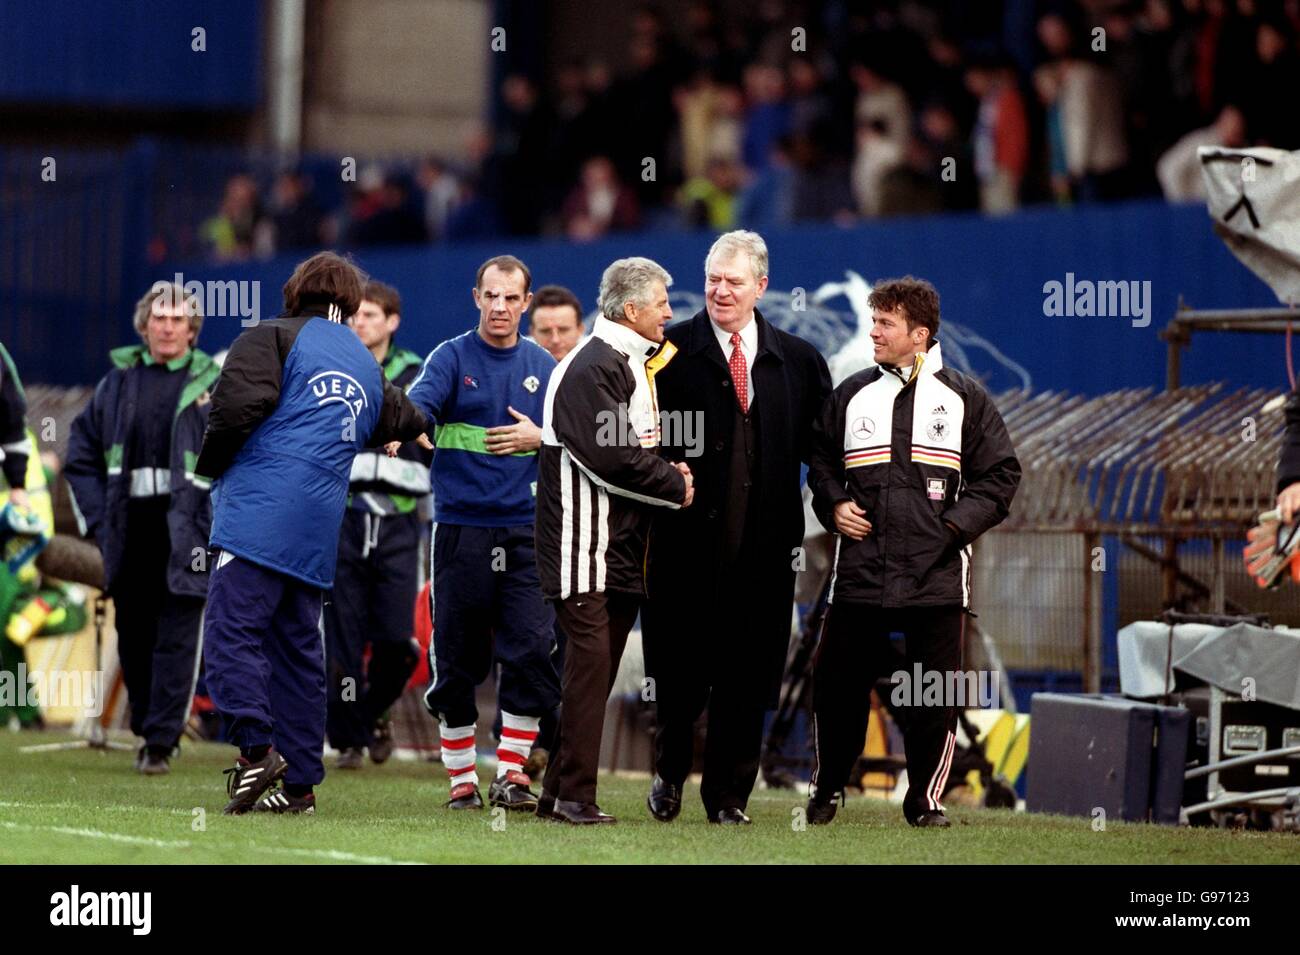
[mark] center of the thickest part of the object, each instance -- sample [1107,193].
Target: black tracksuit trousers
[856,651]
[372,603]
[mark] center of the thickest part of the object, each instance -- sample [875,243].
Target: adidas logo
[940,410]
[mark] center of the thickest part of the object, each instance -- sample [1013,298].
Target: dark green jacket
[383,485]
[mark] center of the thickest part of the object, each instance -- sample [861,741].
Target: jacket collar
[929,363]
[128,356]
[702,338]
[623,339]
[318,306]
[397,361]
[201,371]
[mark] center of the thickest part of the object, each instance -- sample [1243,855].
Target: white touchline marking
[334,855]
[99,834]
[341,856]
[86,808]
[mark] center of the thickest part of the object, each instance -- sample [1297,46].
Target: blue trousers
[264,660]
[488,608]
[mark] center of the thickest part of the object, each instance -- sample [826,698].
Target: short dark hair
[549,296]
[385,296]
[325,278]
[506,263]
[918,299]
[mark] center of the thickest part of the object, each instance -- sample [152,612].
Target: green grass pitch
[90,807]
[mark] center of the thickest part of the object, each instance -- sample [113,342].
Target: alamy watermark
[678,429]
[78,689]
[1085,298]
[229,299]
[133,910]
[955,688]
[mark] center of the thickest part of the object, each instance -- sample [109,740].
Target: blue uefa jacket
[298,398]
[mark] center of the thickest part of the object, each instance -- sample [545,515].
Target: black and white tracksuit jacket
[599,471]
[915,455]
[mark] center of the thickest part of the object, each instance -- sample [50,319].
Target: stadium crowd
[875,112]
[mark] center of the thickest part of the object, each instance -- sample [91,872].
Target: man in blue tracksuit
[485,389]
[298,397]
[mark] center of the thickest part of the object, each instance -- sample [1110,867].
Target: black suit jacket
[791,383]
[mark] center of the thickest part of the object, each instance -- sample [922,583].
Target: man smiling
[721,579]
[911,462]
[608,490]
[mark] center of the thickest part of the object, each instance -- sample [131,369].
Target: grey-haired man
[600,482]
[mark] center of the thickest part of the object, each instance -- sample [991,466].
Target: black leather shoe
[931,820]
[822,811]
[545,805]
[579,813]
[665,800]
[465,796]
[730,816]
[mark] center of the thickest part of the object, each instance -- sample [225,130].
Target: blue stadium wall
[138,54]
[990,274]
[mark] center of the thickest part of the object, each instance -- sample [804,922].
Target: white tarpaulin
[1254,200]
[1222,657]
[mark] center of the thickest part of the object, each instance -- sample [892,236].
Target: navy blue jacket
[101,487]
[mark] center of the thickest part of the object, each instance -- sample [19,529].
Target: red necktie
[739,373]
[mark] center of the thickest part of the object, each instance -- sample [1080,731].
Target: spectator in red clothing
[1001,139]
[600,203]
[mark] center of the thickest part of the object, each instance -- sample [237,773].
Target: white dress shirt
[748,348]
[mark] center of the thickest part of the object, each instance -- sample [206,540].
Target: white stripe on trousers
[433,659]
[817,759]
[940,777]
[835,569]
[965,576]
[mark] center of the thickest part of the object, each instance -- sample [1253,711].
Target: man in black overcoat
[737,404]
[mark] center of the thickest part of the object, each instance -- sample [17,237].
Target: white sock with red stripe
[517,736]
[458,753]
